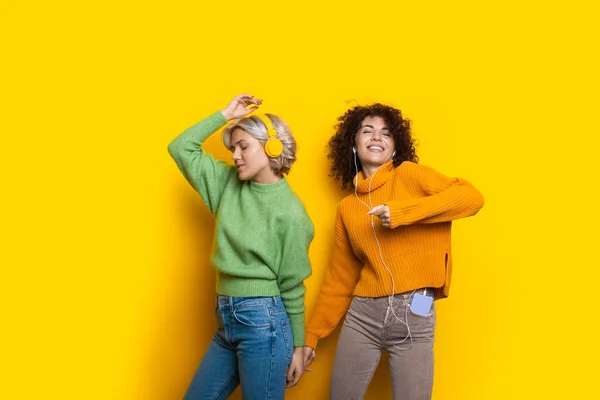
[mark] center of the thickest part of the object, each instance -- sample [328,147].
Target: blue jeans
[253,347]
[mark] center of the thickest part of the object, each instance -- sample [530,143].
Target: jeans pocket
[363,306]
[254,317]
[286,333]
[422,326]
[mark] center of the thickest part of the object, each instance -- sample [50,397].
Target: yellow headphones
[273,146]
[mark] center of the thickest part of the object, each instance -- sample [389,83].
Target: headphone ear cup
[273,147]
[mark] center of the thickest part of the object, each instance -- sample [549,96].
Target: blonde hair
[257,129]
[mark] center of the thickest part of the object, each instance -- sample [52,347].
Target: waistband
[405,295]
[224,301]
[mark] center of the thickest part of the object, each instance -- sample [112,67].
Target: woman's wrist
[226,115]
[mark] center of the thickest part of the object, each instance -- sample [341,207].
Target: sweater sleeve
[295,268]
[206,175]
[336,293]
[445,199]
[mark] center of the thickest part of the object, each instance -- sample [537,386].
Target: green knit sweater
[262,231]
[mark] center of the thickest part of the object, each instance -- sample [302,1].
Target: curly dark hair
[340,145]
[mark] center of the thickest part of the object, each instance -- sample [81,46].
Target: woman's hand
[383,212]
[237,107]
[296,368]
[309,356]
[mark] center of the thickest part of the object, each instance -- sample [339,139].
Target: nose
[236,155]
[376,136]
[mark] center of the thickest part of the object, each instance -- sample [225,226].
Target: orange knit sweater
[416,249]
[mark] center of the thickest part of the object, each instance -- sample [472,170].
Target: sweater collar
[378,179]
[269,187]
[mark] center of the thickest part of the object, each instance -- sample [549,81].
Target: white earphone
[391,296]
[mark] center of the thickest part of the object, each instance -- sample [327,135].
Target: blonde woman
[260,253]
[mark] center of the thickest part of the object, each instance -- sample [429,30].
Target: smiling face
[250,158]
[374,144]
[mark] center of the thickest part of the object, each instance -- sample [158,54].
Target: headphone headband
[271,132]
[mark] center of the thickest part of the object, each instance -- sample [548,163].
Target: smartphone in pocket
[421,305]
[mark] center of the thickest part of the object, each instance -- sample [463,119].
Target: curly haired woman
[391,255]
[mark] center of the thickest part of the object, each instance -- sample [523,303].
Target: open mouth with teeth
[375,148]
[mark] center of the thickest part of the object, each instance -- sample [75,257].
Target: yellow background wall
[105,287]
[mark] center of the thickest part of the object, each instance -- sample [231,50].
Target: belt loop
[275,300]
